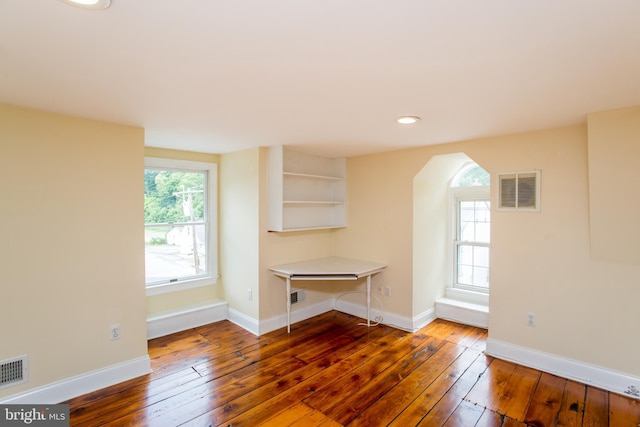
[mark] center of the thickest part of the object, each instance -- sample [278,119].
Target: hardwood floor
[330,371]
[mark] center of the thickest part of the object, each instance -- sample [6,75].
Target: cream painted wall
[177,301]
[72,257]
[248,249]
[614,152]
[540,262]
[281,248]
[73,260]
[431,229]
[239,248]
[380,219]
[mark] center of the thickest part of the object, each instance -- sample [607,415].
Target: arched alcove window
[471,175]
[471,220]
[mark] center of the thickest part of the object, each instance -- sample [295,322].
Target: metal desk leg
[368,300]
[288,305]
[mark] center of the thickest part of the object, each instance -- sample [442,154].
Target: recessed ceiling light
[89,4]
[408,120]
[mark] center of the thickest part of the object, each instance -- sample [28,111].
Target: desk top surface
[328,266]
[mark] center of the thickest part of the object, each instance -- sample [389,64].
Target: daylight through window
[472,209]
[176,225]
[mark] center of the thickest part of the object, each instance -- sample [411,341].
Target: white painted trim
[463,312]
[302,313]
[466,295]
[172,322]
[607,379]
[388,319]
[212,220]
[423,319]
[69,388]
[244,321]
[167,288]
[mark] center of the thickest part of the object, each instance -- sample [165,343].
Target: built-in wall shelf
[305,192]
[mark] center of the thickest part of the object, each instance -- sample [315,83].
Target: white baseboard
[307,312]
[172,322]
[388,319]
[463,312]
[245,322]
[69,388]
[592,375]
[423,319]
[297,315]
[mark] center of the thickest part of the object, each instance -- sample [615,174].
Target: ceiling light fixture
[408,120]
[89,4]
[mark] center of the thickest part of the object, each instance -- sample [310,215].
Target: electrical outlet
[115,332]
[387,291]
[531,319]
[250,294]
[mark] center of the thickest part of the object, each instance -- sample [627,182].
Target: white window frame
[211,219]
[458,194]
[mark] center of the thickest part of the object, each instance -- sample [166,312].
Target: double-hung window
[472,230]
[180,243]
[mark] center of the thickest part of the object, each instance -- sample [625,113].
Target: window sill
[463,295]
[463,312]
[181,286]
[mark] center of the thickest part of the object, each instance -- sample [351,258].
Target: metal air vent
[14,371]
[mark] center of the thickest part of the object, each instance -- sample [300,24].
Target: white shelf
[308,176]
[310,203]
[305,192]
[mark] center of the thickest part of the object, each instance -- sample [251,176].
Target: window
[471,234]
[179,203]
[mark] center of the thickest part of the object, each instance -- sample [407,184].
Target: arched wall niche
[431,240]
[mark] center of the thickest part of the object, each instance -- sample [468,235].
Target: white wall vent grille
[14,371]
[519,191]
[297,296]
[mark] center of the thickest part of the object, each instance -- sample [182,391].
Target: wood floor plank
[519,391]
[596,408]
[545,403]
[446,365]
[334,368]
[119,403]
[300,415]
[510,422]
[466,414]
[358,401]
[329,372]
[238,395]
[367,382]
[490,418]
[434,409]
[512,387]
[488,391]
[572,407]
[623,412]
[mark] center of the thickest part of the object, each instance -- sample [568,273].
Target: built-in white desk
[329,268]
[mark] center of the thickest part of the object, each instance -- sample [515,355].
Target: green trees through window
[176,229]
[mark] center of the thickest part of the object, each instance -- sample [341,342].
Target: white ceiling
[330,76]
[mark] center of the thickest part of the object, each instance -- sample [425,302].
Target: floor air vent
[13,371]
